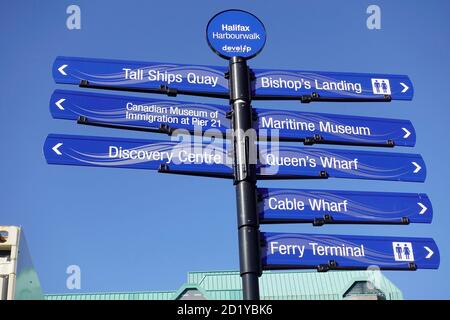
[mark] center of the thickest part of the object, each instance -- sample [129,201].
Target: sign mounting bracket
[164,89]
[315,97]
[163,128]
[321,175]
[318,139]
[164,168]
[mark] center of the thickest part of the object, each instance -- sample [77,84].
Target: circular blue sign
[233,33]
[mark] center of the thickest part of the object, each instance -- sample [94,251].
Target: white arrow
[55,148]
[61,70]
[430,252]
[423,208]
[417,167]
[407,133]
[58,104]
[405,87]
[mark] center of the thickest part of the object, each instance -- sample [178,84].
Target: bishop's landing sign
[332,85]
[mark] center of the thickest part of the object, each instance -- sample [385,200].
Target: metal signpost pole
[245,177]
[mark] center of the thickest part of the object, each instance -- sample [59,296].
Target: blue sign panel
[195,79]
[332,206]
[312,162]
[292,162]
[139,112]
[141,75]
[332,85]
[310,251]
[137,154]
[288,125]
[236,33]
[329,128]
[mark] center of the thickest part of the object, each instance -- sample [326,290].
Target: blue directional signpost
[286,163]
[291,161]
[313,85]
[171,79]
[331,206]
[153,77]
[320,128]
[137,113]
[166,116]
[243,145]
[166,156]
[325,252]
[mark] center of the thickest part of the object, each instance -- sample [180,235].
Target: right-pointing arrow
[423,208]
[405,87]
[417,167]
[407,133]
[430,252]
[59,105]
[55,148]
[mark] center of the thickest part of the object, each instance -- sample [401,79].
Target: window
[191,294]
[364,290]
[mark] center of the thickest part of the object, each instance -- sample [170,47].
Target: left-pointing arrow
[59,104]
[430,252]
[417,167]
[61,69]
[56,147]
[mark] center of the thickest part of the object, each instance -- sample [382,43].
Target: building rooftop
[289,285]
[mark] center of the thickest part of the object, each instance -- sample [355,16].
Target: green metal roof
[150,295]
[290,285]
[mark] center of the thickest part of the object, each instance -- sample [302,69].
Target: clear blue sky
[133,230]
